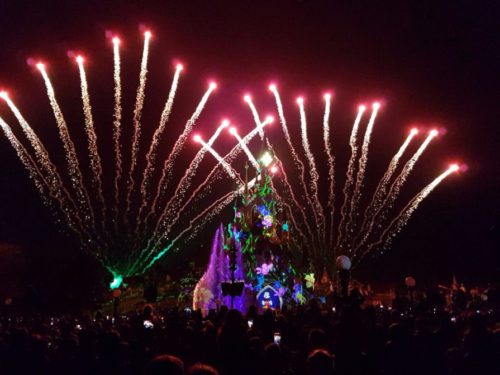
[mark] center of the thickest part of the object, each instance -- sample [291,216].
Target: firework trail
[71,158]
[54,182]
[255,114]
[168,165]
[139,103]
[172,206]
[228,158]
[206,215]
[245,148]
[144,246]
[381,189]
[38,179]
[313,173]
[296,159]
[227,167]
[363,160]
[401,179]
[246,139]
[331,166]
[349,176]
[396,186]
[404,216]
[27,161]
[117,126]
[153,148]
[95,160]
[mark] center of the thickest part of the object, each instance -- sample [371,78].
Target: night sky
[428,63]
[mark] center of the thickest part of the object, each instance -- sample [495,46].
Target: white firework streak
[363,160]
[54,182]
[172,206]
[404,216]
[395,189]
[298,163]
[74,172]
[227,167]
[351,169]
[255,115]
[245,148]
[153,148]
[228,158]
[313,173]
[331,166]
[166,173]
[37,177]
[95,159]
[139,104]
[117,127]
[26,160]
[381,190]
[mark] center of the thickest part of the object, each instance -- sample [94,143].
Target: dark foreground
[349,338]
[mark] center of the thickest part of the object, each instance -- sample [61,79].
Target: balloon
[343,262]
[410,282]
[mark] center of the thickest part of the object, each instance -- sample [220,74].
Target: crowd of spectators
[348,337]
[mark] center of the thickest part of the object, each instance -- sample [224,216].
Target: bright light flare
[233,131]
[179,67]
[197,138]
[79,59]
[4,95]
[40,66]
[300,100]
[376,105]
[247,98]
[454,167]
[147,34]
[414,131]
[272,87]
[117,281]
[327,96]
[273,169]
[269,119]
[116,41]
[212,85]
[434,133]
[266,159]
[362,108]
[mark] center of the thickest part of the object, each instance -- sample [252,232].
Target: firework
[331,165]
[245,148]
[398,223]
[298,163]
[122,251]
[139,103]
[162,220]
[117,126]
[351,238]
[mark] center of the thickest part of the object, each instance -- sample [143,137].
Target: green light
[266,159]
[117,281]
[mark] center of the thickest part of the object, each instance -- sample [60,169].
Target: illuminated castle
[255,246]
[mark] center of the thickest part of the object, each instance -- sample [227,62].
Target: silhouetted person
[320,362]
[165,365]
[202,369]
